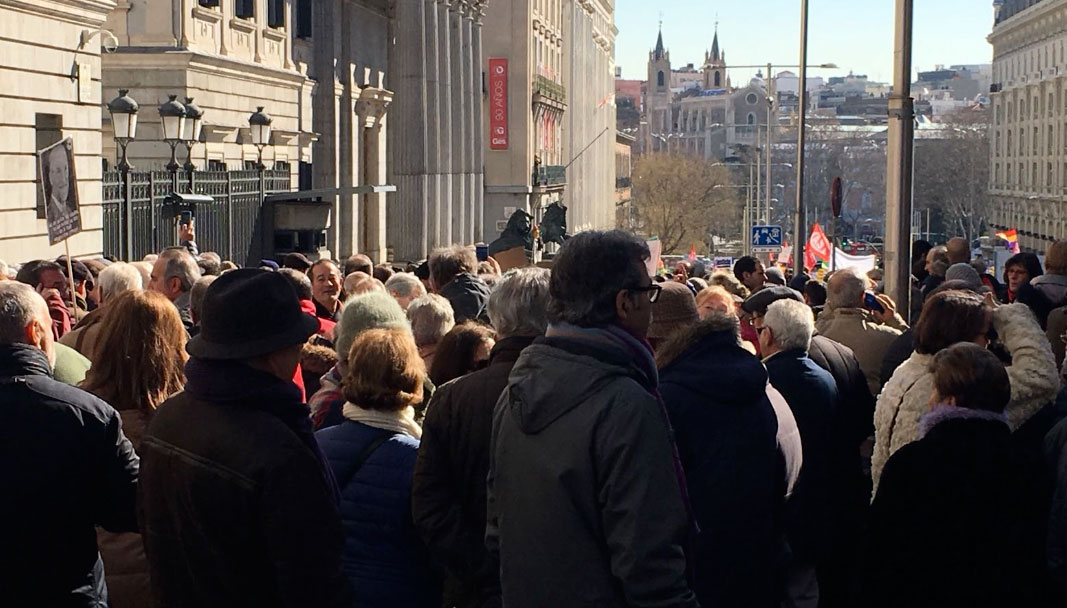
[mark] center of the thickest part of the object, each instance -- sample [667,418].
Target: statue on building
[518,233]
[554,224]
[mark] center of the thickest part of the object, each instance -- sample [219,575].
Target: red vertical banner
[498,103]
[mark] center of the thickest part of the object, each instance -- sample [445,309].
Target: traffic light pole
[899,165]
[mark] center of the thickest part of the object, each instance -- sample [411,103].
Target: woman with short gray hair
[431,318]
[518,305]
[114,281]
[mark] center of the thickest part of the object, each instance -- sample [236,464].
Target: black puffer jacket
[448,490]
[469,297]
[65,467]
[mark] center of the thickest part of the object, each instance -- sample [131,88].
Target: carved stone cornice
[372,105]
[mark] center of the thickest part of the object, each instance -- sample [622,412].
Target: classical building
[551,111]
[1028,142]
[49,90]
[589,123]
[714,119]
[437,140]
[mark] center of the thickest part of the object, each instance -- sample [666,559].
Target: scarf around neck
[398,421]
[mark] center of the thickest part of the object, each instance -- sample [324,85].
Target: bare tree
[684,201]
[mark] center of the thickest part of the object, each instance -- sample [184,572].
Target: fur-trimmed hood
[685,338]
[945,413]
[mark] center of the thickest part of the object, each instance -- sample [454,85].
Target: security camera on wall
[108,42]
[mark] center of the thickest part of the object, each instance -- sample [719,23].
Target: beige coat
[1033,377]
[859,330]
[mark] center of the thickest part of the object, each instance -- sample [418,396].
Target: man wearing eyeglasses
[586,497]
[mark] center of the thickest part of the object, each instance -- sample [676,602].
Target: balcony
[549,175]
[549,93]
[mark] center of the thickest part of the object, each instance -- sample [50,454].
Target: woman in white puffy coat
[948,318]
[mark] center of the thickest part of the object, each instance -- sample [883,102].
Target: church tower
[659,70]
[715,66]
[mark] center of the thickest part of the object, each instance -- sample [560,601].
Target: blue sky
[855,34]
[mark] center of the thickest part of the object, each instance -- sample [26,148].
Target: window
[751,118]
[244,9]
[215,165]
[250,165]
[48,129]
[1035,140]
[304,176]
[1037,108]
[718,80]
[751,99]
[1048,177]
[1051,105]
[659,79]
[1008,180]
[996,147]
[276,13]
[1010,114]
[209,3]
[1051,142]
[302,17]
[1009,149]
[1033,175]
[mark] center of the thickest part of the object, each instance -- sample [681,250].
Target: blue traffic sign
[767,236]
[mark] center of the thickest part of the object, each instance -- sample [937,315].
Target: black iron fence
[227,225]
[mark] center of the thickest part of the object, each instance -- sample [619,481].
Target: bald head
[845,288]
[959,251]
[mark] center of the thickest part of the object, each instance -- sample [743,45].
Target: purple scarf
[643,358]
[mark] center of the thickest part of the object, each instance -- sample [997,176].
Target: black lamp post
[259,123]
[194,118]
[172,114]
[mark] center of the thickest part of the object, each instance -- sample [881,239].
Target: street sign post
[766,239]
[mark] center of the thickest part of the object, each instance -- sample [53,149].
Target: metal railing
[550,175]
[227,225]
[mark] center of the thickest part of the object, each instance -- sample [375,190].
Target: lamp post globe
[259,124]
[172,115]
[123,110]
[194,117]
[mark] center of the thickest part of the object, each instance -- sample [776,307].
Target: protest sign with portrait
[59,188]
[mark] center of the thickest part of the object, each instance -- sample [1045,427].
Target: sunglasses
[653,291]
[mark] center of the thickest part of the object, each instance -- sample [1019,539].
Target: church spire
[715,44]
[658,53]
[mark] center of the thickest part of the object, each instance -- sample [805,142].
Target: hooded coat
[726,435]
[584,507]
[469,297]
[906,397]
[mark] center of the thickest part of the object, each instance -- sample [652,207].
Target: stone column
[479,137]
[459,123]
[374,134]
[434,203]
[472,130]
[444,108]
[326,15]
[226,8]
[409,147]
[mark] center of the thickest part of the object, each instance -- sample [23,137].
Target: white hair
[118,278]
[791,324]
[403,284]
[180,265]
[431,317]
[518,305]
[845,288]
[19,306]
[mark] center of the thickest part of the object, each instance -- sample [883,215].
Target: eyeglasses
[653,291]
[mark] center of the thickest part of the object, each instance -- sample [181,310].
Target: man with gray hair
[67,467]
[784,335]
[448,489]
[868,330]
[431,317]
[405,287]
[173,274]
[114,280]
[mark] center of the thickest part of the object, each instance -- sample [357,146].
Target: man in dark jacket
[785,334]
[726,431]
[448,493]
[238,506]
[452,275]
[586,498]
[67,467]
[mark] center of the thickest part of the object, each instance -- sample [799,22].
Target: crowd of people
[179,431]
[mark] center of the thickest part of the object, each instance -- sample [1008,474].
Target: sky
[857,35]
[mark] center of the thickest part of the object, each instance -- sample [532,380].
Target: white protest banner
[655,250]
[863,263]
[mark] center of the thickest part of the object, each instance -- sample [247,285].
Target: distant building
[624,218]
[711,119]
[1028,141]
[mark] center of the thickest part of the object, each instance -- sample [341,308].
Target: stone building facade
[589,123]
[437,142]
[49,90]
[1028,142]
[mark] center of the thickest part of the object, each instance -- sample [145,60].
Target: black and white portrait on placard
[59,187]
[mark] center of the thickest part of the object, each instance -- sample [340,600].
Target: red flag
[818,245]
[692,254]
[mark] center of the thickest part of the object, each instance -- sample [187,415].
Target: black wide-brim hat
[249,313]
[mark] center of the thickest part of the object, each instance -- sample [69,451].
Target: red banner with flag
[818,247]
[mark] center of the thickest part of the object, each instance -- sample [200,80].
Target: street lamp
[194,120]
[123,110]
[259,122]
[172,114]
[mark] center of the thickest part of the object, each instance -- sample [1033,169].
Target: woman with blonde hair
[138,363]
[372,455]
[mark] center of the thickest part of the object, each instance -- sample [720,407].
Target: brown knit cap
[676,308]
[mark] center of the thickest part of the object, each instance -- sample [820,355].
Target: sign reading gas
[498,103]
